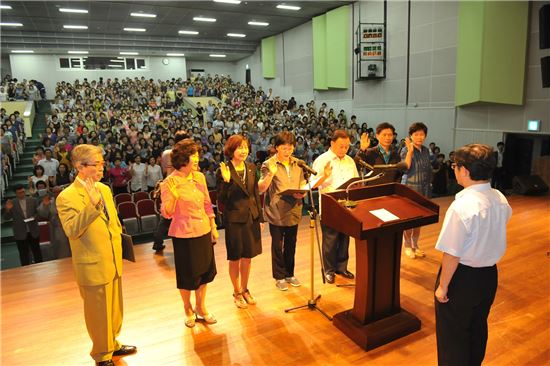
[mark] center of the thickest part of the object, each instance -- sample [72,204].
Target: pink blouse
[191,216]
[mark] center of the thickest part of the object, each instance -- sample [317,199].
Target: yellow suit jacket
[95,239]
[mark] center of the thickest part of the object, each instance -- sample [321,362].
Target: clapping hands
[226,174]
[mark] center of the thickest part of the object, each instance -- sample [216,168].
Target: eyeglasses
[99,163]
[455,165]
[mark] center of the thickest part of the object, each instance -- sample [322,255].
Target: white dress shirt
[474,228]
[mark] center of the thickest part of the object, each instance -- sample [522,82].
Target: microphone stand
[313,234]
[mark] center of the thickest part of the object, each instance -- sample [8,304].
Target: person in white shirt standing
[138,182]
[472,239]
[337,168]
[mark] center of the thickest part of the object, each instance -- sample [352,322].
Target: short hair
[233,143]
[417,126]
[339,134]
[41,182]
[35,169]
[182,151]
[19,187]
[479,159]
[384,126]
[285,137]
[180,135]
[83,152]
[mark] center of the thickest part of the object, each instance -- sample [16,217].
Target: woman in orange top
[186,201]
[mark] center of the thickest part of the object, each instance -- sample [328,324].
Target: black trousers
[283,248]
[335,250]
[25,247]
[161,232]
[461,323]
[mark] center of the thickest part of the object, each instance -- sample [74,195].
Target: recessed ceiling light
[78,52]
[144,15]
[75,26]
[10,24]
[69,10]
[5,7]
[188,32]
[128,53]
[216,55]
[135,29]
[237,35]
[22,51]
[203,19]
[175,54]
[236,2]
[288,7]
[261,24]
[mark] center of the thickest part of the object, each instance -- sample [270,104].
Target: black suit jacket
[373,156]
[237,198]
[19,225]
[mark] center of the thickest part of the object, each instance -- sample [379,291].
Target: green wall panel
[319,27]
[338,35]
[491,52]
[268,58]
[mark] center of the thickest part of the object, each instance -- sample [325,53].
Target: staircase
[23,169]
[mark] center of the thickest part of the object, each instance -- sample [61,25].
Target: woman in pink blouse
[186,201]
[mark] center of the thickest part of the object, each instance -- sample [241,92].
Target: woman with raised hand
[238,191]
[186,201]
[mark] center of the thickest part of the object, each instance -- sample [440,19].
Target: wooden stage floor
[43,323]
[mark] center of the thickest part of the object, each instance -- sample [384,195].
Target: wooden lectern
[377,317]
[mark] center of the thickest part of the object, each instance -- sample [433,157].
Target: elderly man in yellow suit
[89,218]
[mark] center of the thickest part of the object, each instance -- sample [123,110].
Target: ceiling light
[5,7]
[187,32]
[135,29]
[175,54]
[128,53]
[68,10]
[111,65]
[216,55]
[203,19]
[237,35]
[288,7]
[262,24]
[236,2]
[144,15]
[22,51]
[117,60]
[75,26]
[9,24]
[78,52]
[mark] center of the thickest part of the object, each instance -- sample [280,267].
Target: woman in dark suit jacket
[242,214]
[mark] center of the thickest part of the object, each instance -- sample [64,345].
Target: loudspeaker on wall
[544,26]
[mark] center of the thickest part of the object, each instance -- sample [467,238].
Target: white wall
[213,67]
[432,71]
[45,68]
[5,67]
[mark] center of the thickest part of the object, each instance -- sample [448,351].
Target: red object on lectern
[377,317]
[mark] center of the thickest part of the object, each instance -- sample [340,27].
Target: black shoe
[105,363]
[125,350]
[159,249]
[329,277]
[347,274]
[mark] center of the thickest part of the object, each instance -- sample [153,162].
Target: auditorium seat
[147,215]
[45,241]
[122,197]
[138,196]
[130,219]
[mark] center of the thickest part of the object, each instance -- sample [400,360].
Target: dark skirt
[243,240]
[194,259]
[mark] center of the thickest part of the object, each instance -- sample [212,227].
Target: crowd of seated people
[13,89]
[134,121]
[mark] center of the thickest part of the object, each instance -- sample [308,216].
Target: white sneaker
[419,253]
[293,281]
[281,285]
[410,253]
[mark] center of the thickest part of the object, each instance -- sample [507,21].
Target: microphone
[302,164]
[362,163]
[399,166]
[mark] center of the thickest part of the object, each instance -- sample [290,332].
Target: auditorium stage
[43,323]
